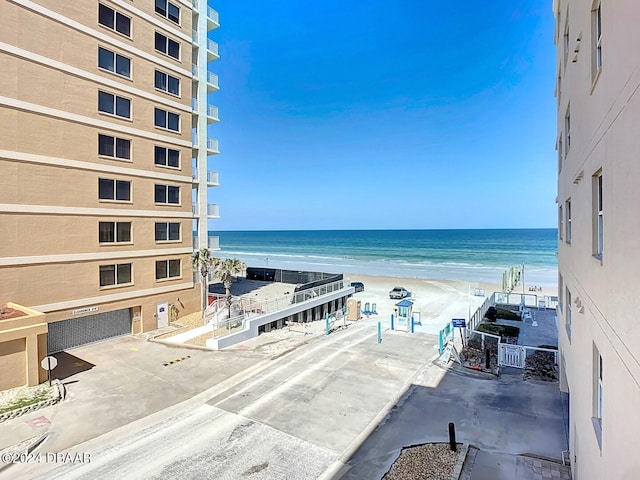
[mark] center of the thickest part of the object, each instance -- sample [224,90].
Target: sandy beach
[435,302]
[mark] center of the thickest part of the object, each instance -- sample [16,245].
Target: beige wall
[604,112]
[13,363]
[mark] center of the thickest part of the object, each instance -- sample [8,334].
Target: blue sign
[459,322]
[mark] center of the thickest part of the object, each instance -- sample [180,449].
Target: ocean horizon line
[492,229]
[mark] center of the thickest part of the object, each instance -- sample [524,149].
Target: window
[167,46]
[114,190]
[560,222]
[168,269]
[118,274]
[114,232]
[598,216]
[598,393]
[167,194]
[168,10]
[565,39]
[568,314]
[596,35]
[114,20]
[166,157]
[567,212]
[114,105]
[560,154]
[167,83]
[167,232]
[560,291]
[567,131]
[115,147]
[114,62]
[168,120]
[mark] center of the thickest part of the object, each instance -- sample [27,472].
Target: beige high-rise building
[103,166]
[598,94]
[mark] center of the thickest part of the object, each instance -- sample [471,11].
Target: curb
[462,456]
[10,415]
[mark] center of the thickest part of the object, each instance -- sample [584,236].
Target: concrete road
[293,417]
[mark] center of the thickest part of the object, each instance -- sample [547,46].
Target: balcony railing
[212,144]
[213,243]
[212,49]
[213,210]
[213,15]
[194,35]
[194,209]
[212,112]
[212,178]
[212,81]
[194,69]
[195,4]
[194,104]
[194,173]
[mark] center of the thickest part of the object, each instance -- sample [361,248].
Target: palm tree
[202,261]
[225,269]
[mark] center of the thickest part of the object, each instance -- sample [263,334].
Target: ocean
[472,255]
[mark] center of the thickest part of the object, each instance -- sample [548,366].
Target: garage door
[74,332]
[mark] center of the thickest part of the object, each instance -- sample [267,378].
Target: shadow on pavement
[501,414]
[69,365]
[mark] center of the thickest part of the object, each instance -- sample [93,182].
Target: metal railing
[195,3]
[194,104]
[213,242]
[194,173]
[212,111]
[194,69]
[251,308]
[194,208]
[194,35]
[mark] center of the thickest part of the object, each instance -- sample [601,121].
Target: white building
[598,143]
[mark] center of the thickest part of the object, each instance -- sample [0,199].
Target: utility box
[353,309]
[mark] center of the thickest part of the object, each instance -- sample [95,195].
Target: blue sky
[384,114]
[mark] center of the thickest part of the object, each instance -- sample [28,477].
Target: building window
[560,291]
[168,10]
[598,216]
[114,20]
[114,232]
[168,269]
[167,232]
[560,154]
[118,274]
[598,393]
[167,83]
[565,39]
[167,46]
[567,131]
[596,29]
[109,189]
[166,157]
[114,62]
[167,194]
[568,314]
[560,221]
[114,105]
[567,212]
[168,120]
[114,147]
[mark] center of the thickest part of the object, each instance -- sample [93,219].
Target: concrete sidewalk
[485,465]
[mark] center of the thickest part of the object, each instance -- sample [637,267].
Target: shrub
[507,314]
[502,330]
